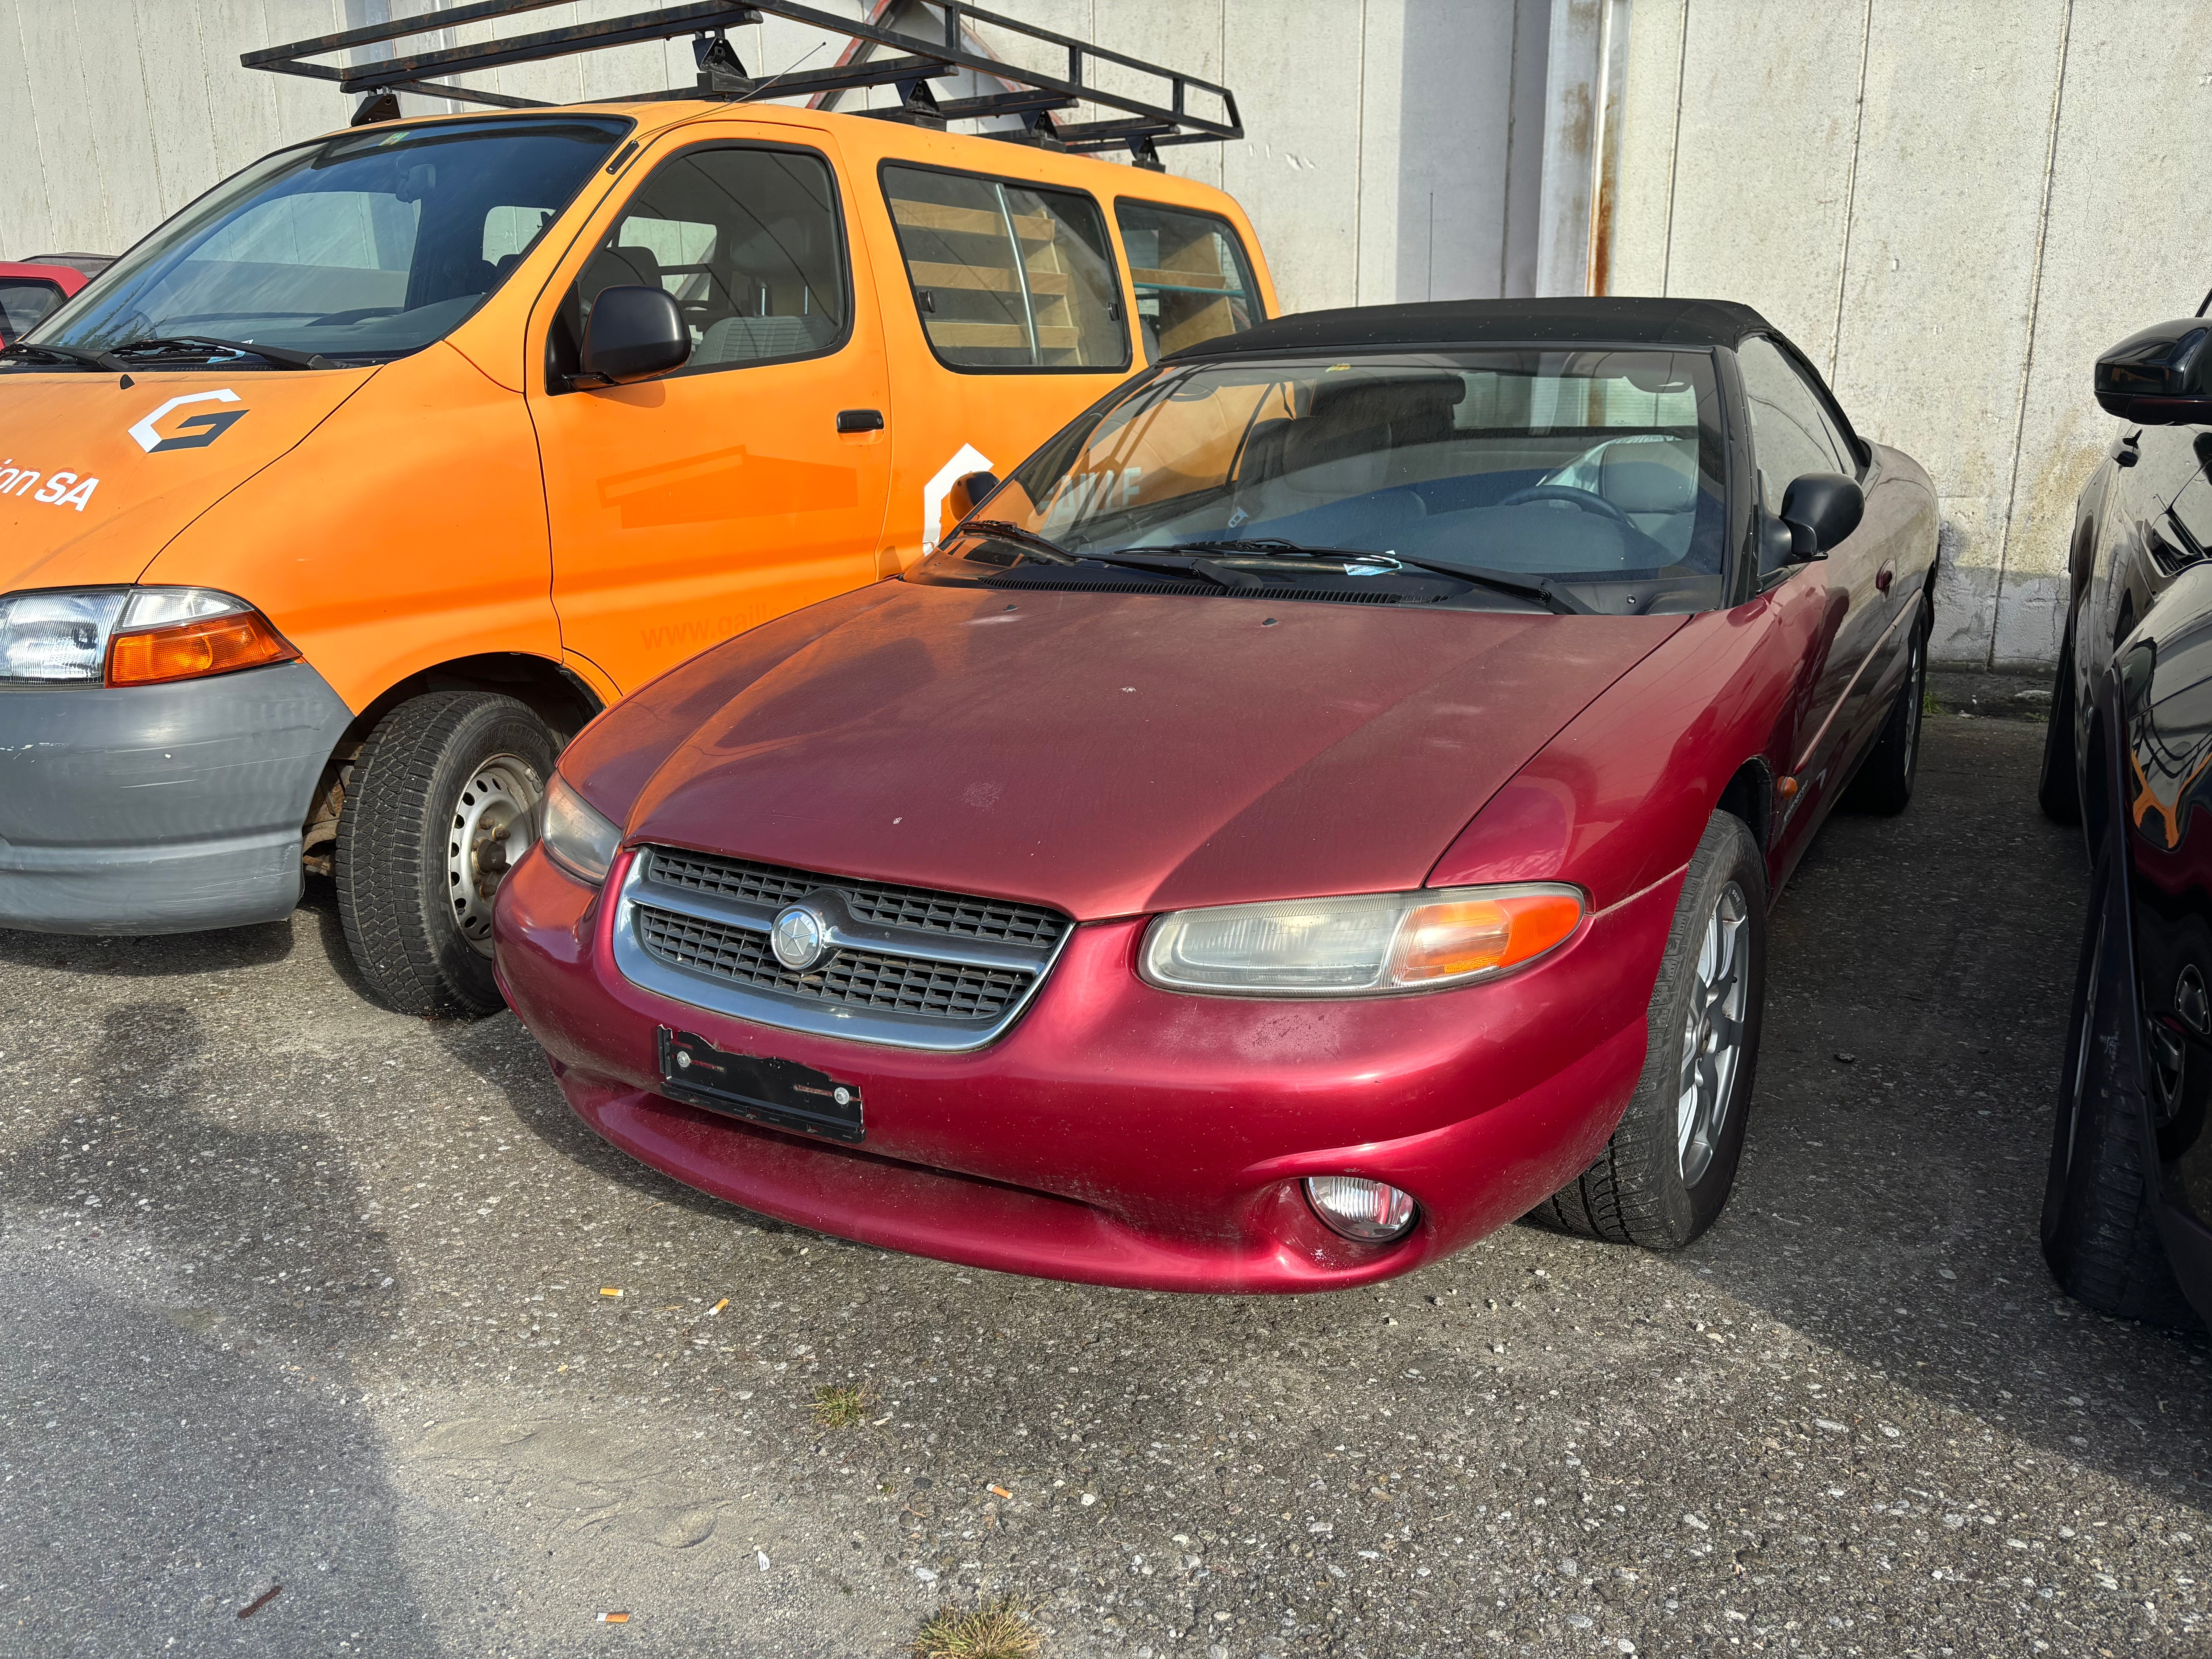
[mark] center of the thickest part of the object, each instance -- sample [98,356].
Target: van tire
[1648,1188]
[417,781]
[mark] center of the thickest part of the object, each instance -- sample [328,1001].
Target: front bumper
[160,809]
[1118,1135]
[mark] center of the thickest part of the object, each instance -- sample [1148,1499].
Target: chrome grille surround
[911,968]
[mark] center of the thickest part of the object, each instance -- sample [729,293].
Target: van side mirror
[634,332]
[1820,508]
[2160,377]
[968,493]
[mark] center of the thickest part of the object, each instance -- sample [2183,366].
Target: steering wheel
[1588,500]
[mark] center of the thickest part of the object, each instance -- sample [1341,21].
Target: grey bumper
[160,809]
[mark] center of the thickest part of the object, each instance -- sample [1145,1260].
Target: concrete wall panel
[1299,164]
[1432,226]
[1948,202]
[26,213]
[2127,242]
[1643,192]
[1762,180]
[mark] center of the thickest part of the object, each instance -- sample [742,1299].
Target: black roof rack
[1032,96]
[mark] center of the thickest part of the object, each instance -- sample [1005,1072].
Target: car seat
[1653,480]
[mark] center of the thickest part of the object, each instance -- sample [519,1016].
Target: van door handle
[859,420]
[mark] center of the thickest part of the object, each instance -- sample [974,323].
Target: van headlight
[574,836]
[1369,945]
[132,636]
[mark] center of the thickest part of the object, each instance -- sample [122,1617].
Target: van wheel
[441,802]
[1666,1173]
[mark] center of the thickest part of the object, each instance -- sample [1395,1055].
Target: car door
[1791,435]
[752,480]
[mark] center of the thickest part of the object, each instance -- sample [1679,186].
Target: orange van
[333,509]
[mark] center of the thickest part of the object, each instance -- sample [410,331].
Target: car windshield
[364,246]
[1595,473]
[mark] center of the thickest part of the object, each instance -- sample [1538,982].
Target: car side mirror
[1820,508]
[634,332]
[971,492]
[2160,377]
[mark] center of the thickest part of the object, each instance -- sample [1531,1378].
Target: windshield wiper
[1555,599]
[66,355]
[1000,530]
[199,344]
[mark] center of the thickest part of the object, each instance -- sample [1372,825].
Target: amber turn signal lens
[1475,936]
[191,650]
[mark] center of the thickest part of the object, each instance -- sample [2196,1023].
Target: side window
[23,305]
[750,243]
[1192,278]
[1008,277]
[1790,434]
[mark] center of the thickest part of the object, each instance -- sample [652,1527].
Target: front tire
[1666,1175]
[1884,783]
[2100,1236]
[440,803]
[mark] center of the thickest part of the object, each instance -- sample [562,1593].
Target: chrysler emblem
[797,938]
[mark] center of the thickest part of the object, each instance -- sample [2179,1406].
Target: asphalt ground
[299,1293]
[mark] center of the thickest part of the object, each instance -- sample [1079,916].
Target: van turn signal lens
[192,650]
[1474,936]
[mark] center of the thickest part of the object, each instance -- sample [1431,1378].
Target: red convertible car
[1323,805]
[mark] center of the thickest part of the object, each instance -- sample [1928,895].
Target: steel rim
[1712,1036]
[492,827]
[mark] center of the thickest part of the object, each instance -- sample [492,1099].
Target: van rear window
[1007,277]
[1192,278]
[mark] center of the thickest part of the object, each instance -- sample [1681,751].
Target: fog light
[1368,1210]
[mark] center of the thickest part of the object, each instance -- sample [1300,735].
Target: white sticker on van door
[935,492]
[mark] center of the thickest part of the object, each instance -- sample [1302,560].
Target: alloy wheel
[1712,1036]
[492,828]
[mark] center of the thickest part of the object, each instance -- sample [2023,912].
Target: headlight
[51,637]
[574,836]
[1375,943]
[132,636]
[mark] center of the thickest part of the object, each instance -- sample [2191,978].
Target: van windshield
[361,247]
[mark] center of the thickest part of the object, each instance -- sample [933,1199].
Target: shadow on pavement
[181,1425]
[1922,971]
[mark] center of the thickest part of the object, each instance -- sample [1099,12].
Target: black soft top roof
[1603,319]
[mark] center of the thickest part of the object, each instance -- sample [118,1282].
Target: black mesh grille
[878,904]
[858,978]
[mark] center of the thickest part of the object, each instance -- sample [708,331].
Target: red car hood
[1113,754]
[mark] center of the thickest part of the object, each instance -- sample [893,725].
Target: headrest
[624,266]
[1334,460]
[1649,476]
